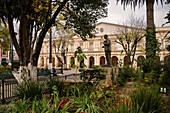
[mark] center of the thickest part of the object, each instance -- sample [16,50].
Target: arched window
[102,60]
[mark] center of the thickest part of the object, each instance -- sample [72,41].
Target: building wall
[93,47]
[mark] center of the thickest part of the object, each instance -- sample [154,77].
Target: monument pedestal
[109,71]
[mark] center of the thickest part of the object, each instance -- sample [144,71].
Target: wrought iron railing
[8,82]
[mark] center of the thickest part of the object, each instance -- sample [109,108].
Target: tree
[151,42]
[168,15]
[130,36]
[35,17]
[61,43]
[4,37]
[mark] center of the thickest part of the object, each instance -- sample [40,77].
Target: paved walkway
[72,71]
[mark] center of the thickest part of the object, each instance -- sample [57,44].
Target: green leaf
[72,61]
[83,65]
[84,56]
[78,58]
[81,58]
[75,54]
[74,66]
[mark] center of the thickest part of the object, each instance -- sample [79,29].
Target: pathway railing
[8,82]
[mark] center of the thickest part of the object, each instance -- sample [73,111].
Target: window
[101,29]
[114,45]
[81,44]
[91,44]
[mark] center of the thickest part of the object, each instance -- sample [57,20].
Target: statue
[107,47]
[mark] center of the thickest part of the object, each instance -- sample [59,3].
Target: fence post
[3,100]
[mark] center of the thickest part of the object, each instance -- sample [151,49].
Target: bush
[84,103]
[57,83]
[79,88]
[164,77]
[29,90]
[39,106]
[4,63]
[147,99]
[96,73]
[151,64]
[16,64]
[127,73]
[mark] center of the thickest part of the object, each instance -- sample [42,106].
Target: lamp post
[50,54]
[66,56]
[12,57]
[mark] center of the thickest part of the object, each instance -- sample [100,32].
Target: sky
[117,15]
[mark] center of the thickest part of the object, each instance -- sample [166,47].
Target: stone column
[45,61]
[68,61]
[86,61]
[108,75]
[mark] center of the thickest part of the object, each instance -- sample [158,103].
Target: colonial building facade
[94,52]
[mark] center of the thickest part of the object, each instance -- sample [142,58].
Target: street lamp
[50,54]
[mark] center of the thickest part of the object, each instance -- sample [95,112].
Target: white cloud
[116,13]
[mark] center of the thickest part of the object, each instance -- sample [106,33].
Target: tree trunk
[150,37]
[22,74]
[150,12]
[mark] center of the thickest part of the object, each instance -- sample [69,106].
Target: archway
[91,61]
[42,61]
[166,59]
[114,61]
[140,59]
[126,61]
[53,62]
[58,63]
[82,61]
[72,58]
[157,59]
[47,59]
[102,60]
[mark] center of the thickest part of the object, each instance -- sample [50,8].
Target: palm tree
[151,43]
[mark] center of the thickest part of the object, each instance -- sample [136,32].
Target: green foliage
[95,74]
[57,83]
[164,79]
[40,15]
[127,73]
[151,65]
[4,63]
[147,99]
[80,57]
[4,37]
[79,88]
[39,106]
[84,103]
[152,44]
[16,64]
[29,90]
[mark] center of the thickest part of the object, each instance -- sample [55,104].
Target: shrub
[84,103]
[164,77]
[147,99]
[4,63]
[151,64]
[55,82]
[29,90]
[79,88]
[39,106]
[125,73]
[16,64]
[96,73]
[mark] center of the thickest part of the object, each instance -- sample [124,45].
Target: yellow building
[95,53]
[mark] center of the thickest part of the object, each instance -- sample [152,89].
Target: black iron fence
[8,82]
